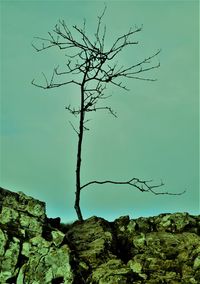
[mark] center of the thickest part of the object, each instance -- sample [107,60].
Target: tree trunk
[78,164]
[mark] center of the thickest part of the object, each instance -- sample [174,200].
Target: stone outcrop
[35,249]
[31,251]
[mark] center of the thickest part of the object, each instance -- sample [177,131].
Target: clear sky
[154,137]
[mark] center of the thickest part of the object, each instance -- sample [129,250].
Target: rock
[35,249]
[57,237]
[3,241]
[111,272]
[139,241]
[197,263]
[135,266]
[92,240]
[8,264]
[45,263]
[22,214]
[22,203]
[177,222]
[25,255]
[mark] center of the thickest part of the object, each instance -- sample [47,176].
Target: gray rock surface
[37,250]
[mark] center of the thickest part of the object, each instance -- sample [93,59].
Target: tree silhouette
[93,67]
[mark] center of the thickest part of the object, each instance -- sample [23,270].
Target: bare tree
[94,67]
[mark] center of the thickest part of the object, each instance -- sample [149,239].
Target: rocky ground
[38,250]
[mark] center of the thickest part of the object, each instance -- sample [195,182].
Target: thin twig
[73,127]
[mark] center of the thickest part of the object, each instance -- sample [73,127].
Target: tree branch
[73,111]
[74,128]
[103,108]
[92,56]
[142,185]
[53,85]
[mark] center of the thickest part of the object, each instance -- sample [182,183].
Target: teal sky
[154,137]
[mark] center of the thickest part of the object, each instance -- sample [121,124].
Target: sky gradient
[156,134]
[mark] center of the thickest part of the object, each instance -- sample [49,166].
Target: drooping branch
[142,185]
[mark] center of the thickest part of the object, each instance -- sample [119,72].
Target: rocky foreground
[38,250]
